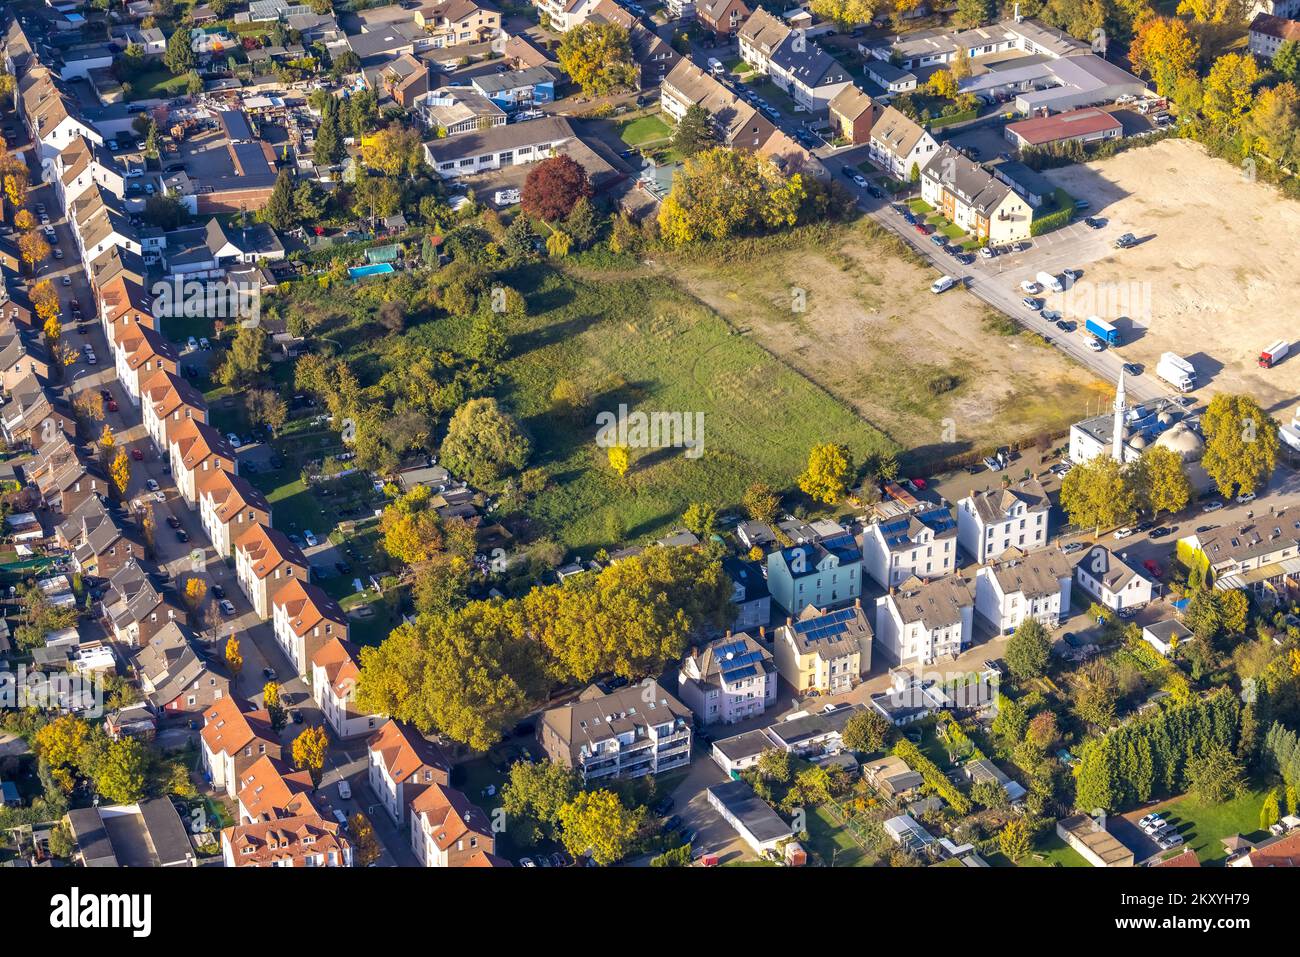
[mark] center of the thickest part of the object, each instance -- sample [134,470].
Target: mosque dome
[1182,440]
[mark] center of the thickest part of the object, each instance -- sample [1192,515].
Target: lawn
[1204,826]
[643,130]
[832,841]
[156,84]
[1051,851]
[643,343]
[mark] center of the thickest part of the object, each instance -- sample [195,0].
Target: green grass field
[1051,851]
[1204,826]
[831,842]
[645,344]
[156,83]
[643,130]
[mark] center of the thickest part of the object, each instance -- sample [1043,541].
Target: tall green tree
[1167,486]
[484,442]
[1030,650]
[279,210]
[532,798]
[1100,493]
[1241,443]
[179,56]
[694,132]
[598,823]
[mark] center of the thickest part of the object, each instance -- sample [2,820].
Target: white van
[716,67]
[942,284]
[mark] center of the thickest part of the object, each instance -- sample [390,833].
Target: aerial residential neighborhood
[581,434]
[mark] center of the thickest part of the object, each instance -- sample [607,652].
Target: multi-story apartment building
[334,673]
[1035,586]
[266,561]
[304,618]
[403,765]
[823,573]
[1259,555]
[993,521]
[728,680]
[920,623]
[637,730]
[449,830]
[828,652]
[920,543]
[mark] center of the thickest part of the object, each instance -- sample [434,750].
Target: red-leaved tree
[552,187]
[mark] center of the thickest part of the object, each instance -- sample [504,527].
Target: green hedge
[939,122]
[935,779]
[1045,224]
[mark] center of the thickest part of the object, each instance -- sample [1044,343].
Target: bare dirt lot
[934,372]
[1212,278]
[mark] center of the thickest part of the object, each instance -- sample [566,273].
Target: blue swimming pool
[376,269]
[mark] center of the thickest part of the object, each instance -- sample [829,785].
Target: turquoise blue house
[825,573]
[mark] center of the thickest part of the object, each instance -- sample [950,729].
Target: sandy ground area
[1213,276]
[926,369]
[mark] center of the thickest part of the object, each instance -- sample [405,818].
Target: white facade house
[923,623]
[899,145]
[334,673]
[1033,586]
[1165,636]
[1268,32]
[920,544]
[1112,581]
[996,520]
[497,147]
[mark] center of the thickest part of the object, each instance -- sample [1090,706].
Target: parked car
[1160,531]
[234,440]
[204,344]
[310,537]
[1245,497]
[151,484]
[345,790]
[1073,547]
[218,592]
[191,344]
[1125,241]
[227,607]
[1095,344]
[182,535]
[173,521]
[268,673]
[1124,532]
[1212,506]
[860,181]
[1154,568]
[1032,304]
